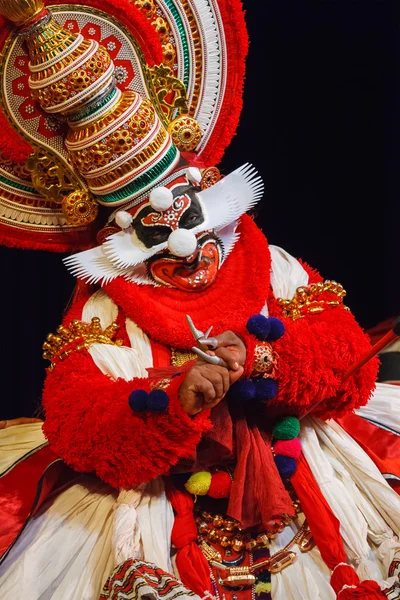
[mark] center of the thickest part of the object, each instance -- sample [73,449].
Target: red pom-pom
[290,448]
[221,484]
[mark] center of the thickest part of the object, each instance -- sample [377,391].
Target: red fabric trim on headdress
[12,145]
[14,237]
[132,18]
[237,44]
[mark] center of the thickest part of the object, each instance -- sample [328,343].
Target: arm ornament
[313,299]
[78,336]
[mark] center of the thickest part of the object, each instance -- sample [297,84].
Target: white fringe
[287,274]
[212,83]
[102,306]
[353,526]
[141,344]
[118,362]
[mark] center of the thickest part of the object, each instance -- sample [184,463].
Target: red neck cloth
[240,291]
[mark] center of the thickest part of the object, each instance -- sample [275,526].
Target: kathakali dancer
[206,433]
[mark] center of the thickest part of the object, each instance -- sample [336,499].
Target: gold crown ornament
[99,100]
[116,140]
[21,11]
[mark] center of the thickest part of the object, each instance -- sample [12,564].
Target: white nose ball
[182,242]
[161,198]
[123,219]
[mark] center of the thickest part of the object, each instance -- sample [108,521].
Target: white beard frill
[122,254]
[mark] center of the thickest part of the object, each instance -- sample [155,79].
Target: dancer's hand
[205,385]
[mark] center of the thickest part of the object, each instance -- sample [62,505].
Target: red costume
[127,106]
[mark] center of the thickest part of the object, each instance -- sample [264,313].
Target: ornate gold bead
[229,524]
[185,132]
[225,542]
[213,535]
[203,527]
[265,359]
[237,545]
[79,208]
[218,521]
[148,7]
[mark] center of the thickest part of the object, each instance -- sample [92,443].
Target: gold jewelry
[265,360]
[58,347]
[79,208]
[308,299]
[228,533]
[210,177]
[179,358]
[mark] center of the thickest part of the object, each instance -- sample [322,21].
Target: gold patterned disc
[185,132]
[210,177]
[79,208]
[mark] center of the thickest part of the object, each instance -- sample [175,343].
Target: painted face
[192,274]
[179,237]
[153,227]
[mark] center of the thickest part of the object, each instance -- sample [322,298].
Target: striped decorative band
[128,105]
[183,37]
[147,179]
[89,49]
[34,68]
[18,186]
[152,142]
[94,109]
[85,94]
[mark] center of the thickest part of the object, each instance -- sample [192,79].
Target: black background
[321,122]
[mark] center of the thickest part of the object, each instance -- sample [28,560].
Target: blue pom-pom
[243,390]
[266,389]
[265,328]
[285,465]
[277,329]
[259,326]
[138,400]
[157,401]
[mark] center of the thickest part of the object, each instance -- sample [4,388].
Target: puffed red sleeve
[313,355]
[90,424]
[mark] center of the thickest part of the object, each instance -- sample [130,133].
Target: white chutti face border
[122,254]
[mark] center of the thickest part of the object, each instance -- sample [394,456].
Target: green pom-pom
[287,428]
[199,483]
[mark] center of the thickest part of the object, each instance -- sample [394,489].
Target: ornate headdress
[106,103]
